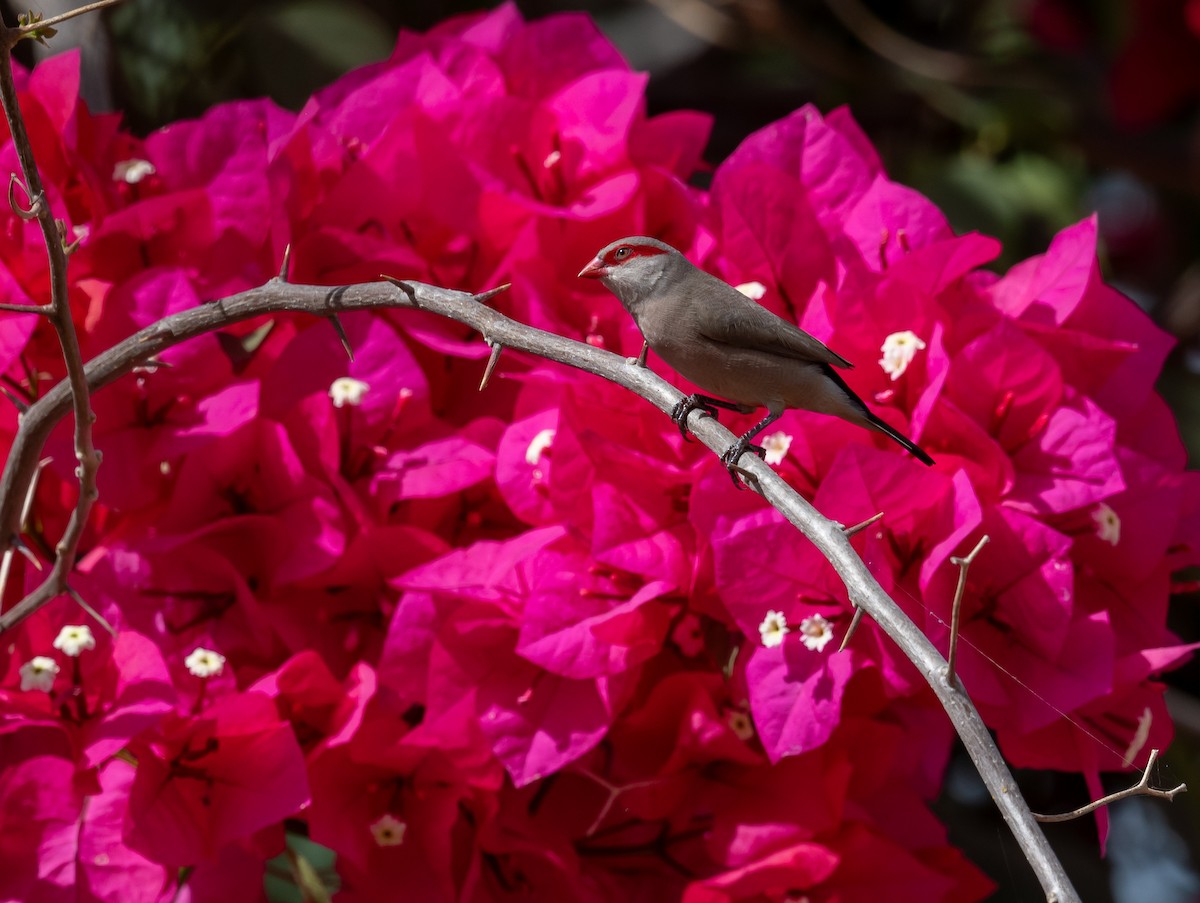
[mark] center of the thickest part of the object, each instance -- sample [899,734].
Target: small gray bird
[728,345]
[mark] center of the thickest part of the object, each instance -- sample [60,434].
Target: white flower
[773,628]
[38,673]
[74,640]
[389,831]
[346,390]
[204,662]
[776,446]
[739,722]
[133,171]
[552,159]
[537,445]
[688,635]
[899,349]
[816,632]
[1108,524]
[754,290]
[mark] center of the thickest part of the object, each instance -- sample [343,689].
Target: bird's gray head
[633,267]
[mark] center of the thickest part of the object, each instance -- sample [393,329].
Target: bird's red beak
[597,269]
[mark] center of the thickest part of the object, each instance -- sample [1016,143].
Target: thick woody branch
[499,330]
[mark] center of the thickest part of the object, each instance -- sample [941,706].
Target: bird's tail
[915,450]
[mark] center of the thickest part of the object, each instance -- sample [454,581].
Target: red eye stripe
[611,259]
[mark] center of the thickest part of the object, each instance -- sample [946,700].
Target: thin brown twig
[22,30]
[964,565]
[43,309]
[59,314]
[1141,788]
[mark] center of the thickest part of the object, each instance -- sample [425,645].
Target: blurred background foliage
[1017,117]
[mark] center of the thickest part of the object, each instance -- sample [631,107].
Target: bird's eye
[621,253]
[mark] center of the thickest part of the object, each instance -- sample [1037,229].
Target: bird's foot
[734,453]
[680,412]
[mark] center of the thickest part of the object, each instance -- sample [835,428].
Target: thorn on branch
[18,403]
[35,207]
[404,287]
[342,337]
[96,616]
[285,267]
[858,615]
[493,359]
[30,555]
[485,297]
[858,528]
[1141,788]
[641,358]
[964,565]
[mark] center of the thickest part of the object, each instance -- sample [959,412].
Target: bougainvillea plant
[529,643]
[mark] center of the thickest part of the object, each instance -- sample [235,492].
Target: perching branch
[1141,788]
[499,330]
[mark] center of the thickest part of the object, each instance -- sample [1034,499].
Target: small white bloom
[133,171]
[816,632]
[773,628]
[899,349]
[38,673]
[1108,524]
[74,640]
[537,446]
[204,662]
[739,722]
[776,446]
[389,831]
[754,290]
[688,635]
[80,233]
[346,390]
[552,159]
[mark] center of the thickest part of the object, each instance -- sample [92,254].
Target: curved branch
[499,330]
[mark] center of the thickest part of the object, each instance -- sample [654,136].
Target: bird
[740,355]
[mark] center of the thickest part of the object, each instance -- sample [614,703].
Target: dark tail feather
[914,449]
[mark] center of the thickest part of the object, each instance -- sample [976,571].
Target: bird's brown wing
[741,322]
